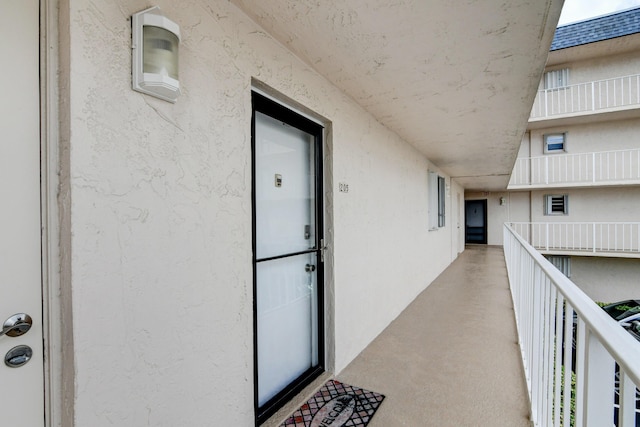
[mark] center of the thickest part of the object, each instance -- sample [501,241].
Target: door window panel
[285,176]
[287,322]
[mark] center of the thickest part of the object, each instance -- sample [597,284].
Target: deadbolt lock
[18,356]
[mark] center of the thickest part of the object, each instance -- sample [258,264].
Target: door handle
[16,325]
[309,268]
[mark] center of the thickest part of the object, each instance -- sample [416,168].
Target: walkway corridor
[451,358]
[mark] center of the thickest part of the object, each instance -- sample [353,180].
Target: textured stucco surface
[448,77]
[607,279]
[497,214]
[157,207]
[620,204]
[600,65]
[590,137]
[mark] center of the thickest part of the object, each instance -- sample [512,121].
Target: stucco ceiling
[454,78]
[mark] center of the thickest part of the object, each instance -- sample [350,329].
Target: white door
[287,251]
[22,393]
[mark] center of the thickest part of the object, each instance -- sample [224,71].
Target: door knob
[309,268]
[16,325]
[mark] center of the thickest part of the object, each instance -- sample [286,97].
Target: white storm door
[21,375]
[287,256]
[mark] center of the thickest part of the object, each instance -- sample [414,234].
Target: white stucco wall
[607,279]
[597,204]
[618,204]
[595,64]
[603,67]
[159,209]
[497,214]
[589,137]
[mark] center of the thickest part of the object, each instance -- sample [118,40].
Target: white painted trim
[49,184]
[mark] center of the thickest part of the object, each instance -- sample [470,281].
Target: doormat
[336,405]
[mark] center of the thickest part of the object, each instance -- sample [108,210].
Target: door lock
[309,268]
[16,325]
[18,356]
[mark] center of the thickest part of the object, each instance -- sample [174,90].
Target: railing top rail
[620,344]
[588,153]
[589,82]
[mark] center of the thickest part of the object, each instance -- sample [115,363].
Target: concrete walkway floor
[451,358]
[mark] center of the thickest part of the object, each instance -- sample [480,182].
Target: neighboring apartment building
[575,187]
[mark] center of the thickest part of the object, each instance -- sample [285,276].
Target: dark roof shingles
[598,29]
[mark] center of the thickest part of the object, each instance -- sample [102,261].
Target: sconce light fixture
[154,60]
[503,201]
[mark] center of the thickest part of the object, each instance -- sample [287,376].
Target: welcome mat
[336,405]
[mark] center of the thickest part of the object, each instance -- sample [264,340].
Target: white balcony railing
[593,237]
[589,353]
[616,93]
[603,167]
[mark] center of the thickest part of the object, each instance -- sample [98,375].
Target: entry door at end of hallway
[288,245]
[21,346]
[476,221]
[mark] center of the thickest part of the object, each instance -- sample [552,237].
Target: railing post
[593,165]
[547,238]
[536,342]
[568,350]
[593,96]
[599,381]
[637,88]
[627,400]
[594,237]
[546,170]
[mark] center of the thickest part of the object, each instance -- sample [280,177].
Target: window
[556,79]
[556,204]
[562,263]
[437,192]
[555,142]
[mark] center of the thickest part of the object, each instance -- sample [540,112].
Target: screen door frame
[281,113]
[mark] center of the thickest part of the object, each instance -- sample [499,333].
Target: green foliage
[572,408]
[623,307]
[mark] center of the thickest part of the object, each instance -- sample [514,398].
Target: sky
[577,10]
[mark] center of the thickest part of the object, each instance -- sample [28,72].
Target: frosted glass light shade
[155,56]
[160,52]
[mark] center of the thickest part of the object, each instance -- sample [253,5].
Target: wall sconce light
[503,201]
[154,59]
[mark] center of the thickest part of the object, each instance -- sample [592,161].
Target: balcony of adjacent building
[601,100]
[602,168]
[487,344]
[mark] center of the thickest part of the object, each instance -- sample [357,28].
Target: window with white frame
[556,204]
[555,142]
[556,79]
[437,190]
